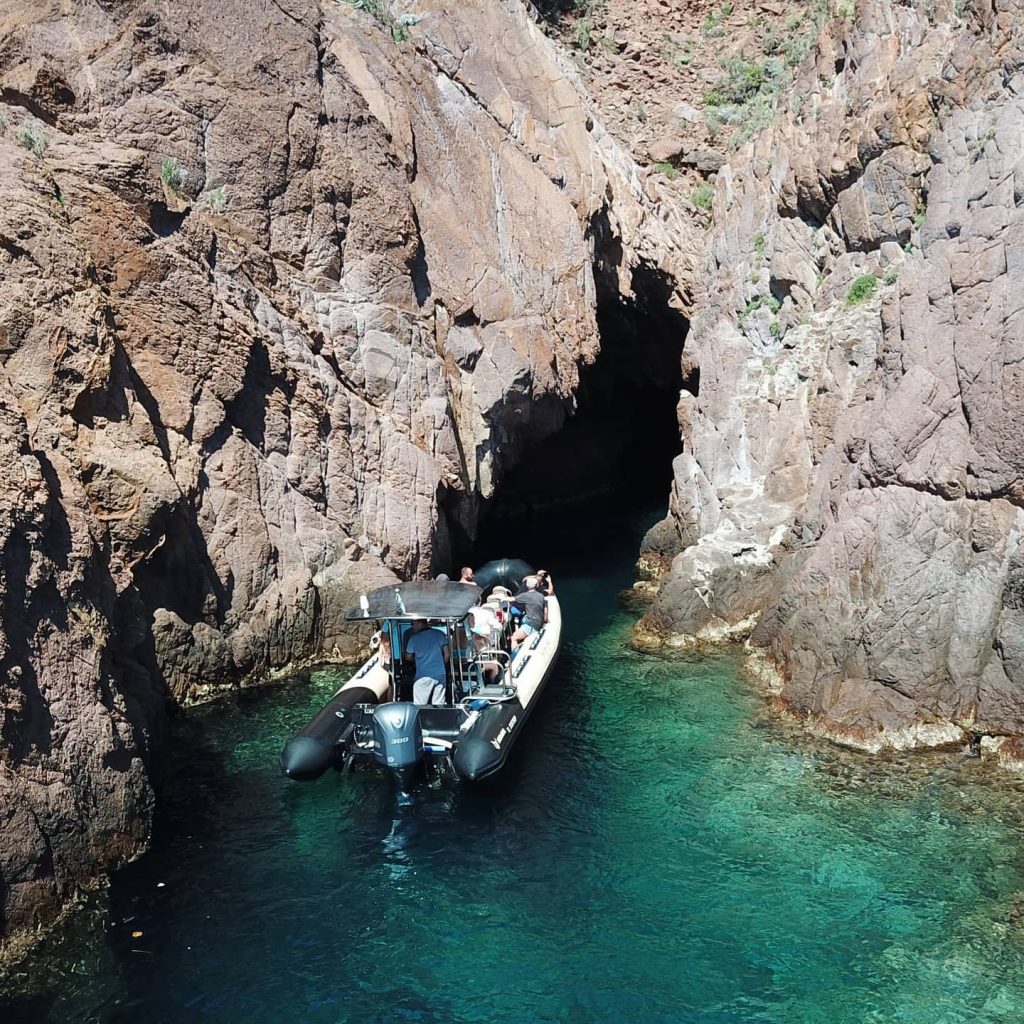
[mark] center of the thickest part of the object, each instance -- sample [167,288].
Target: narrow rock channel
[305,297]
[661,849]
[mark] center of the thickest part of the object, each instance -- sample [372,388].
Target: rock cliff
[289,287]
[285,288]
[851,493]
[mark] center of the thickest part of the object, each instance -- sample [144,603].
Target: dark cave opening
[620,442]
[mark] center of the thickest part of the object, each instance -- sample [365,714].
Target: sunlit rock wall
[851,491]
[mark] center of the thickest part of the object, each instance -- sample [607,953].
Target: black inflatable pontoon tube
[476,758]
[310,752]
[505,572]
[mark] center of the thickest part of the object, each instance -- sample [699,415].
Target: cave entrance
[617,448]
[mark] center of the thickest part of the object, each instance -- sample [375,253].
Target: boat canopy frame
[445,605]
[420,599]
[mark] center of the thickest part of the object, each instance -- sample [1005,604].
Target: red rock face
[852,484]
[277,282]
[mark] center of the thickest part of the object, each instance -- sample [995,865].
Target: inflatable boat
[464,725]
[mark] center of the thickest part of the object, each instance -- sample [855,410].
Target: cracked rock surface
[851,495]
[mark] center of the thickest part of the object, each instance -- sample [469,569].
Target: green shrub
[759,244]
[703,196]
[669,170]
[173,175]
[741,81]
[755,304]
[861,290]
[891,276]
[216,199]
[755,117]
[31,136]
[583,33]
[746,95]
[380,11]
[775,329]
[794,49]
[682,54]
[711,27]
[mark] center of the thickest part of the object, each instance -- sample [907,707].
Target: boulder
[666,150]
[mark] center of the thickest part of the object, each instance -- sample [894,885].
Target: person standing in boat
[466,576]
[535,611]
[428,648]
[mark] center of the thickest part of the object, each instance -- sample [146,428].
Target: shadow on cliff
[625,431]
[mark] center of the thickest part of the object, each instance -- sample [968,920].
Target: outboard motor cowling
[399,739]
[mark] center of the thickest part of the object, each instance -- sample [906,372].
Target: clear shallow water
[659,850]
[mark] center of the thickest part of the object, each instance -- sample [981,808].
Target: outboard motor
[399,738]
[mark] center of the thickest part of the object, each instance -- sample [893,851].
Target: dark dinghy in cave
[474,715]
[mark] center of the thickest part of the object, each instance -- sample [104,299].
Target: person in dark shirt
[535,611]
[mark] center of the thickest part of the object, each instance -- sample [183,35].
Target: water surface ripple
[660,850]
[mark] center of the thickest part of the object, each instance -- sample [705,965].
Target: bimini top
[418,600]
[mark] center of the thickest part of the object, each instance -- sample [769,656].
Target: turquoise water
[660,850]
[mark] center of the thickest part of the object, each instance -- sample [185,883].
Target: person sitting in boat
[428,649]
[466,576]
[381,643]
[485,631]
[534,609]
